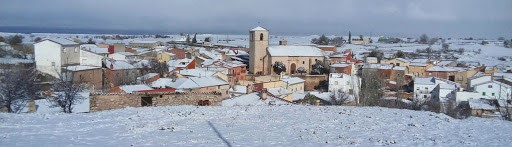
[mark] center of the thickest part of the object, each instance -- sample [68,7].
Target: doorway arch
[293,68]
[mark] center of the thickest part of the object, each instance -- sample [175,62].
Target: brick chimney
[263,94]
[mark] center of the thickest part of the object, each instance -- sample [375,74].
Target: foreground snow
[251,126]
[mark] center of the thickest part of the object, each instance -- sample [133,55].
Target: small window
[492,94]
[489,86]
[303,62]
[397,64]
[53,63]
[424,96]
[261,36]
[483,93]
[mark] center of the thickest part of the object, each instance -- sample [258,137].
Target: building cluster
[157,73]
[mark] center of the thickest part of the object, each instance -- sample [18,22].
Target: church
[263,56]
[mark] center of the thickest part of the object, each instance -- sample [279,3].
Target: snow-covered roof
[425,81]
[418,64]
[403,60]
[61,41]
[144,41]
[134,88]
[445,68]
[118,64]
[371,58]
[198,72]
[188,83]
[399,68]
[279,91]
[419,61]
[444,63]
[480,104]
[295,51]
[81,67]
[238,89]
[341,65]
[147,76]
[253,99]
[94,48]
[258,29]
[292,80]
[179,62]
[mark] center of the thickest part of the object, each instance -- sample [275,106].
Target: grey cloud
[391,17]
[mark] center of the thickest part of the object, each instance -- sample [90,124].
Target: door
[293,68]
[146,101]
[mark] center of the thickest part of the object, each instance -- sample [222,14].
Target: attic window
[489,86]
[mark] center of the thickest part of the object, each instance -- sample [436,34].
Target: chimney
[263,94]
[283,42]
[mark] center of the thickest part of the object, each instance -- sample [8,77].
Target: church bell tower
[258,44]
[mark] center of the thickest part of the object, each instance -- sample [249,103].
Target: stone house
[294,84]
[90,75]
[345,68]
[119,72]
[419,69]
[165,56]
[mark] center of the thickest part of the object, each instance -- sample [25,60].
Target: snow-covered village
[256,79]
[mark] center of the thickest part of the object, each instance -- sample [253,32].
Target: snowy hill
[251,126]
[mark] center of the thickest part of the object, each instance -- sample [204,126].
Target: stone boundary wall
[109,101]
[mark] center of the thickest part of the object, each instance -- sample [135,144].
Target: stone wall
[310,81]
[108,101]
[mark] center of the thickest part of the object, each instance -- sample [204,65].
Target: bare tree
[423,39]
[16,88]
[371,88]
[339,97]
[66,92]
[301,70]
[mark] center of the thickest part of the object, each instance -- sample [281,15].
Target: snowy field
[251,126]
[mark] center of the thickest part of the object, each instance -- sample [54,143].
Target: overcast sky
[454,18]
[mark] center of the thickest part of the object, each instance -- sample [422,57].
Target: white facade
[478,80]
[493,90]
[90,59]
[343,82]
[423,87]
[51,55]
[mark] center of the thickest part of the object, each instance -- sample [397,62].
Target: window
[303,62]
[424,96]
[261,36]
[53,63]
[397,64]
[489,86]
[492,94]
[483,93]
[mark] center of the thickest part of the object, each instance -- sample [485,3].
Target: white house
[90,58]
[343,82]
[443,93]
[294,84]
[52,54]
[475,80]
[423,87]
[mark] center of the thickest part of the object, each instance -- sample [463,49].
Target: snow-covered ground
[251,126]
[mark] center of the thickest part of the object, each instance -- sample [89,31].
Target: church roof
[259,29]
[295,51]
